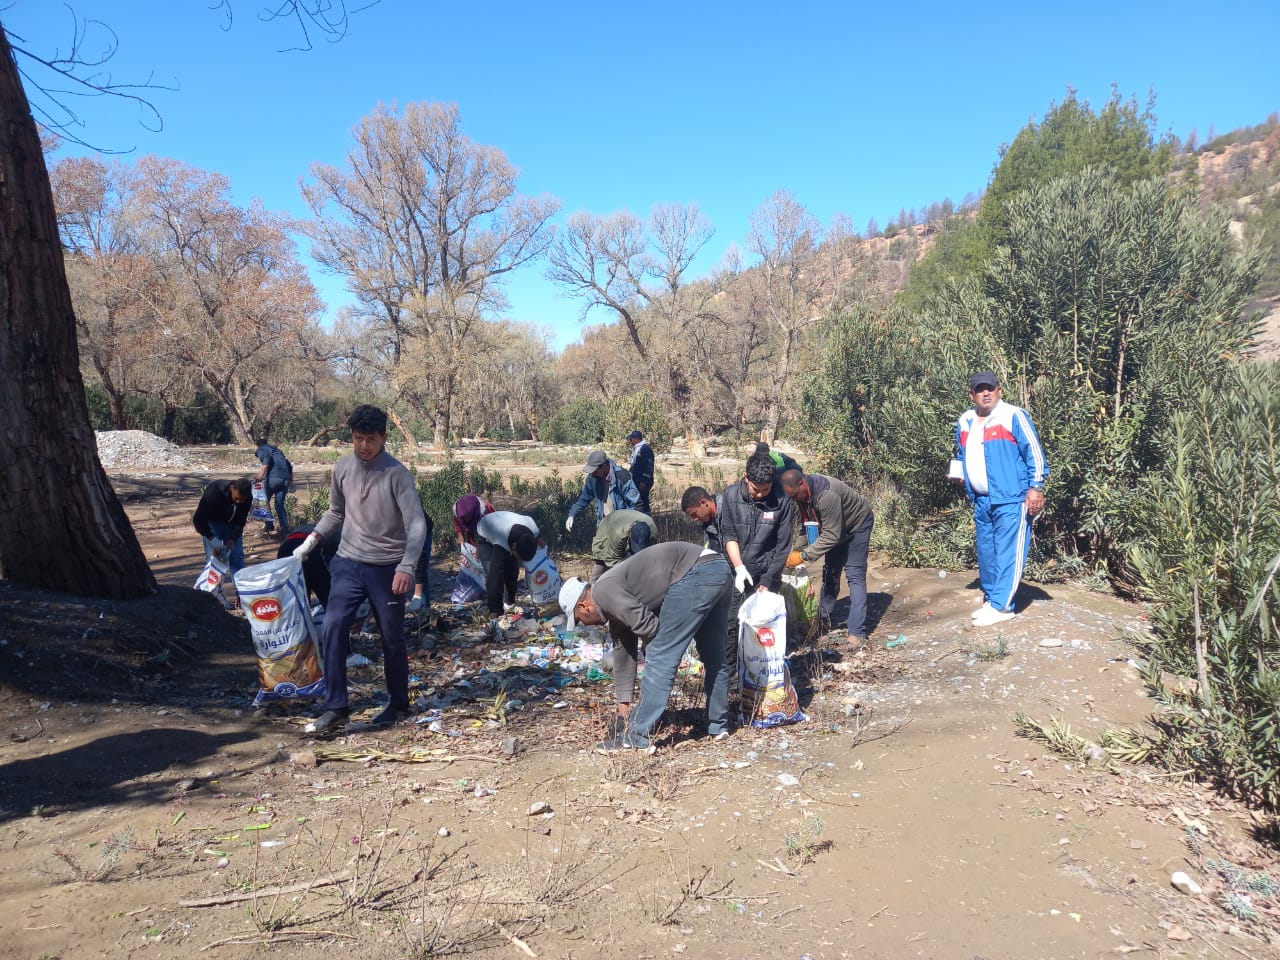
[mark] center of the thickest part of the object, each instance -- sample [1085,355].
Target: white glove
[307,546]
[568,523]
[742,579]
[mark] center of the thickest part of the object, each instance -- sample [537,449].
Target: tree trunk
[169,425]
[399,424]
[61,526]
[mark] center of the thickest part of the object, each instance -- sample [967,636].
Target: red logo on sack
[214,578]
[266,609]
[540,577]
[765,636]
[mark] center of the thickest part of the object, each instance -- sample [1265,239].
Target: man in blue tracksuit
[1003,469]
[605,483]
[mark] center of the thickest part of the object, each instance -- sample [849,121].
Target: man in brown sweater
[844,521]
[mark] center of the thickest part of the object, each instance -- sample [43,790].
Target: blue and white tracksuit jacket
[1015,463]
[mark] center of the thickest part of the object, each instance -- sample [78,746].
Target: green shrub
[581,422]
[636,411]
[1210,537]
[1103,295]
[440,490]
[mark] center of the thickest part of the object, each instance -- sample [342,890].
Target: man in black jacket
[220,520]
[641,467]
[755,521]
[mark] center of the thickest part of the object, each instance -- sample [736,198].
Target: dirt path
[904,819]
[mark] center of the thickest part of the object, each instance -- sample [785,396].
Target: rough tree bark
[61,526]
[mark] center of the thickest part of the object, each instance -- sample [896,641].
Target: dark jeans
[694,609]
[501,571]
[643,503]
[851,556]
[731,637]
[277,492]
[353,583]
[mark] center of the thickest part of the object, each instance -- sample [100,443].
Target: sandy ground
[147,811]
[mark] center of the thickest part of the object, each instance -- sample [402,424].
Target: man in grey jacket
[844,521]
[373,499]
[664,597]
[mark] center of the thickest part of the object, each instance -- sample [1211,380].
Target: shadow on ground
[116,769]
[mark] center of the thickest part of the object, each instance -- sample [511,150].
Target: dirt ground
[146,810]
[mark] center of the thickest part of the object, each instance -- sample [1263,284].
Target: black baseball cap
[984,379]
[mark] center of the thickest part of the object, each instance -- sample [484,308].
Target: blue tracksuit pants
[1003,540]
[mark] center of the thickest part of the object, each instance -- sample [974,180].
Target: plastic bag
[543,578]
[212,577]
[274,598]
[260,510]
[768,697]
[470,583]
[801,608]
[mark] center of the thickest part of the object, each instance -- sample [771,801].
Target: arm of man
[1033,457]
[584,498]
[827,505]
[415,526]
[337,512]
[618,607]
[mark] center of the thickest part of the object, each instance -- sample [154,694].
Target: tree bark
[399,425]
[61,526]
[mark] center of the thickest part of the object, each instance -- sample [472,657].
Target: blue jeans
[353,583]
[852,557]
[223,532]
[277,494]
[696,608]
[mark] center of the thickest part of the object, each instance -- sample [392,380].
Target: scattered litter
[358,660]
[539,807]
[899,641]
[788,780]
[1051,642]
[1185,884]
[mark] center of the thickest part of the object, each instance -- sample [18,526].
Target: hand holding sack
[741,578]
[794,559]
[213,576]
[568,523]
[307,545]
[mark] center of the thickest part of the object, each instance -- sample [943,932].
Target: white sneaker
[987,616]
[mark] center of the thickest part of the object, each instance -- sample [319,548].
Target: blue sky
[857,108]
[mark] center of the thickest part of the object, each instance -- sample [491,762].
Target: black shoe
[615,727]
[328,722]
[386,717]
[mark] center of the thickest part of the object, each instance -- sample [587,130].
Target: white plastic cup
[955,470]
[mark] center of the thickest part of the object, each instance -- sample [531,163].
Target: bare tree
[235,304]
[61,525]
[792,297]
[639,273]
[424,225]
[106,267]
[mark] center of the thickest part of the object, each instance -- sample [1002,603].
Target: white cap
[569,594]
